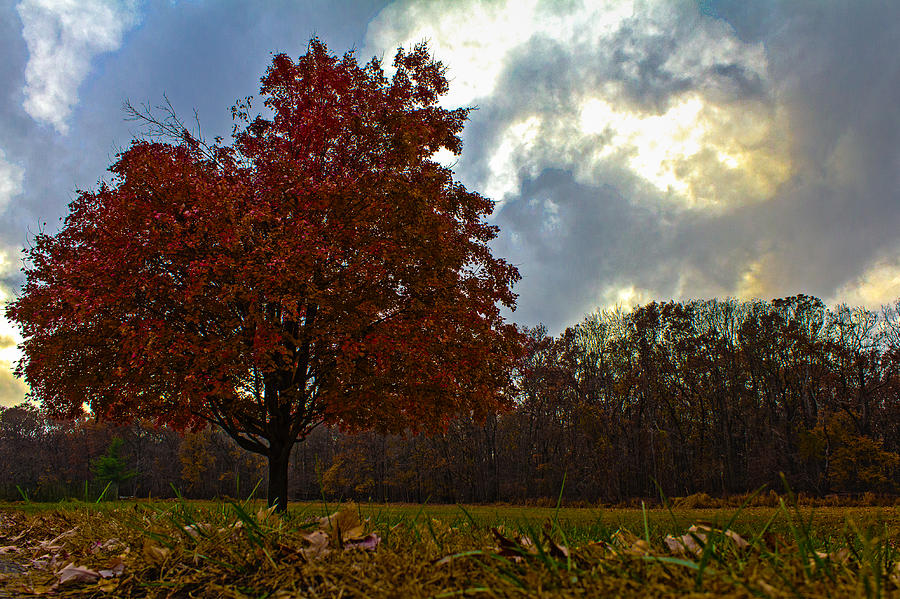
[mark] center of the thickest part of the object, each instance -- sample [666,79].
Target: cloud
[878,285]
[654,150]
[12,389]
[670,97]
[63,37]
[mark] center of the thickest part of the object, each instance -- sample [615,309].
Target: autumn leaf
[516,548]
[343,525]
[113,569]
[73,573]
[319,545]
[696,538]
[154,553]
[322,268]
[628,543]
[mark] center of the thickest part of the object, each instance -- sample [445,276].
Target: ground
[240,549]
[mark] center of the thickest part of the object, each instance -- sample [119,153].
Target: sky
[636,150]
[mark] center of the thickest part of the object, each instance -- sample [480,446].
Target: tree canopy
[322,267]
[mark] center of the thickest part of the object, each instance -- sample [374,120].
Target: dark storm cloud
[567,237]
[837,73]
[832,72]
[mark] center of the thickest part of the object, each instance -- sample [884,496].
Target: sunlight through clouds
[12,390]
[472,36]
[690,120]
[877,286]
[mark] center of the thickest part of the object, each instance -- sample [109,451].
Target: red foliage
[321,268]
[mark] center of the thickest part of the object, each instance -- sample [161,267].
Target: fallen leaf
[73,573]
[113,569]
[195,531]
[343,525]
[838,557]
[318,545]
[738,539]
[696,537]
[514,548]
[52,545]
[107,545]
[765,586]
[555,549]
[683,545]
[629,543]
[367,543]
[154,553]
[265,513]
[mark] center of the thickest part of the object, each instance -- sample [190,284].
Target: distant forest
[715,396]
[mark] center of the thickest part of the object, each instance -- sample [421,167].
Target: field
[239,549]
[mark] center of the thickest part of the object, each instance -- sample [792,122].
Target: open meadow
[240,549]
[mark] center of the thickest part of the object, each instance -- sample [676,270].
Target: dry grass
[205,549]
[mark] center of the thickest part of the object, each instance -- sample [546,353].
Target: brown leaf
[53,544]
[367,543]
[738,539]
[629,543]
[838,557]
[114,569]
[513,548]
[155,554]
[696,537]
[555,549]
[343,525]
[683,545]
[73,573]
[195,531]
[265,513]
[318,545]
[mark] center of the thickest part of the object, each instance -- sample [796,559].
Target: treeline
[716,396]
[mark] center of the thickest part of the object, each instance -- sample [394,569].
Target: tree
[321,268]
[111,467]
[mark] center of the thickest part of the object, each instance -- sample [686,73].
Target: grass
[237,549]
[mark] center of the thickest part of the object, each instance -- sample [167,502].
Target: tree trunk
[278,479]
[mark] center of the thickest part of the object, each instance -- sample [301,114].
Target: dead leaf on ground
[838,557]
[73,573]
[553,548]
[343,525]
[114,569]
[52,544]
[629,543]
[155,554]
[515,548]
[319,545]
[695,540]
[366,543]
[265,513]
[195,531]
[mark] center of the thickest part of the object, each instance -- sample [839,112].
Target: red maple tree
[321,268]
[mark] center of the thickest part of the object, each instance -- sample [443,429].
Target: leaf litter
[178,551]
